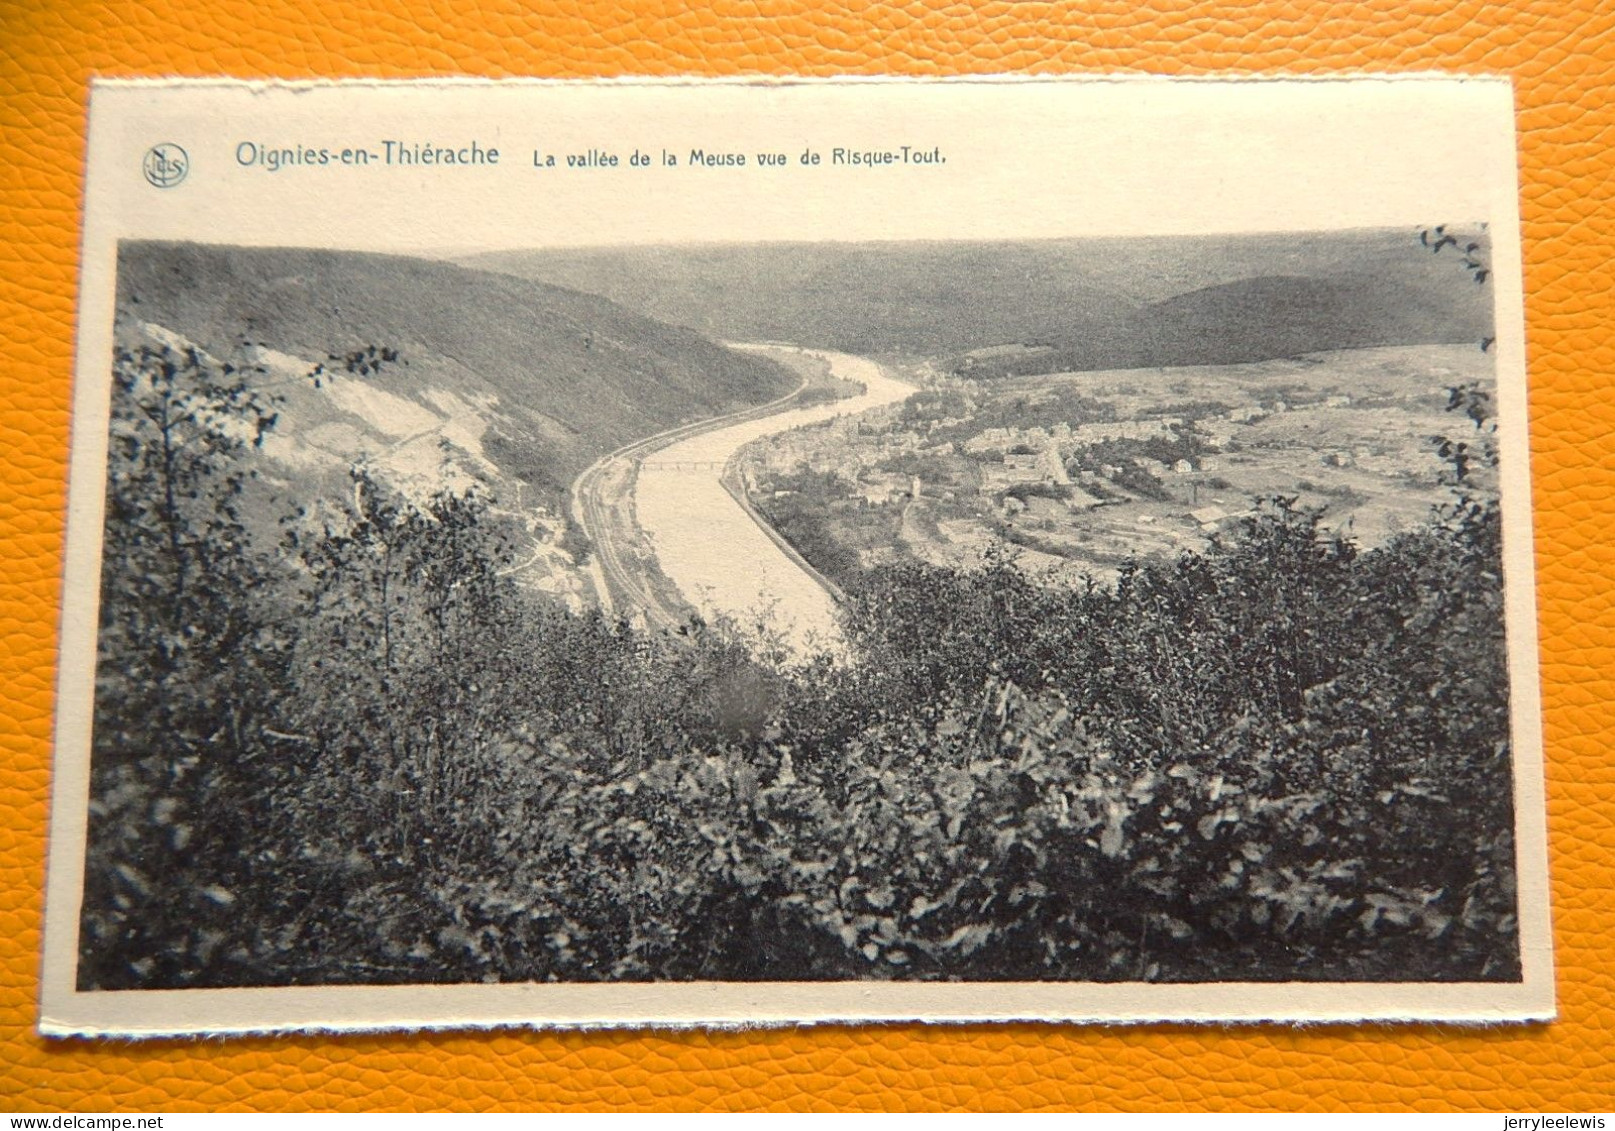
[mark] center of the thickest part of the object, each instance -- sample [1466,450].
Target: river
[707,544]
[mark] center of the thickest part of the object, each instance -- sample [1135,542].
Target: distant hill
[1094,303]
[1265,318]
[861,298]
[516,379]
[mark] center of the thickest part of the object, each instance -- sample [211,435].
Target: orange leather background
[1561,54]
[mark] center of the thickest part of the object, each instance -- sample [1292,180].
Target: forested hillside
[1116,303]
[538,380]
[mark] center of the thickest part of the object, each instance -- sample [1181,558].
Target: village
[1084,472]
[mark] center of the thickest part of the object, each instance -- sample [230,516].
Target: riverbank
[714,551]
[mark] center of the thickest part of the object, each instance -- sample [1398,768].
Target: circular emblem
[166,165]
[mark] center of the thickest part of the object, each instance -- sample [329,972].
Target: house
[882,488]
[1125,430]
[992,438]
[1013,471]
[1208,517]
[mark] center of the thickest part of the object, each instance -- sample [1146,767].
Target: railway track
[605,487]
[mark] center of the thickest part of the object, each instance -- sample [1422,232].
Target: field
[1086,471]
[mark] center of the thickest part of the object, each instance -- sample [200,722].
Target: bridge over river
[655,464]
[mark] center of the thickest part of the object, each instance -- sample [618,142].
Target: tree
[187,652]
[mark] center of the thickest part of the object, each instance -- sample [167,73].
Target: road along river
[713,550]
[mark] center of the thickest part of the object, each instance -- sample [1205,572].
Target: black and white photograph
[827,610]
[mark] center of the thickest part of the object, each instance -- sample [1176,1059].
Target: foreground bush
[367,756]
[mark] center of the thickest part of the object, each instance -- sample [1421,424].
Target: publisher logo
[166,165]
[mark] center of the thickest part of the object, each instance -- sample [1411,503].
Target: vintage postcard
[767,552]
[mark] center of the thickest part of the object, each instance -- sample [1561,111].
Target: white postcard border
[116,109]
